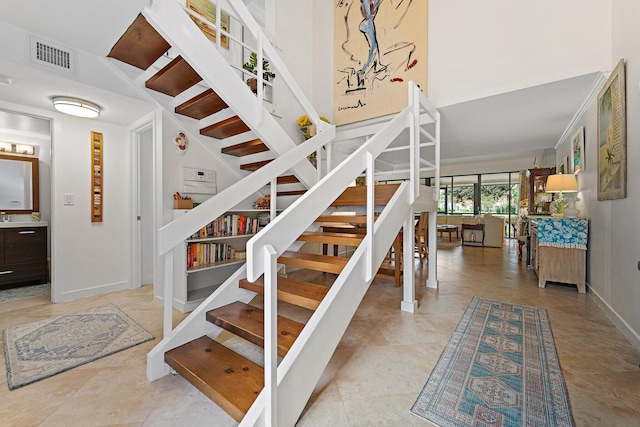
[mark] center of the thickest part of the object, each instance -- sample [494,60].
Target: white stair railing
[167,17]
[263,249]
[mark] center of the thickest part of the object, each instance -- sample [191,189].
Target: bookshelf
[205,260]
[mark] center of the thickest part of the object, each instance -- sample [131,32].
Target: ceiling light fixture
[76,107]
[5,80]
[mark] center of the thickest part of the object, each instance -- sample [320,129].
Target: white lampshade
[561,182]
[76,107]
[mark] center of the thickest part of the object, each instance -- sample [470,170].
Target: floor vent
[44,53]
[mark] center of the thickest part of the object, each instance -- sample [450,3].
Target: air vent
[45,53]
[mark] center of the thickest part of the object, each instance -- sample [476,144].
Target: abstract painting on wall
[612,137]
[380,45]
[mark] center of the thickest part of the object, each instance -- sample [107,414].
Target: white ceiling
[514,122]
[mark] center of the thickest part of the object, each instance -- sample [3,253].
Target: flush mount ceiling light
[76,107]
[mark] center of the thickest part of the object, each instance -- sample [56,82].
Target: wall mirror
[19,184]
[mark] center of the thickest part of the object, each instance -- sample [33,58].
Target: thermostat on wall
[198,181]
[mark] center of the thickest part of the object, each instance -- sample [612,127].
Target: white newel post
[409,302]
[270,335]
[432,281]
[168,293]
[370,211]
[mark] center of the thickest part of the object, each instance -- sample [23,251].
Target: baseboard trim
[632,336]
[97,290]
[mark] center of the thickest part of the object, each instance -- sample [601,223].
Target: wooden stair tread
[254,166]
[245,148]
[139,46]
[348,239]
[247,322]
[176,77]
[329,264]
[302,294]
[227,378]
[347,219]
[291,193]
[357,196]
[288,179]
[226,128]
[202,105]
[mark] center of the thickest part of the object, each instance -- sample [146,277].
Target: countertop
[23,224]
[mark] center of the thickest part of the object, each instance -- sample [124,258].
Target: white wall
[483,48]
[614,247]
[89,258]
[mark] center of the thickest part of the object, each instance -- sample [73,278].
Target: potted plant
[308,129]
[252,66]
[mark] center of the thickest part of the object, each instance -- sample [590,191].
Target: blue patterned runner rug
[500,368]
[47,347]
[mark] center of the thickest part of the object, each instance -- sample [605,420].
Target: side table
[473,227]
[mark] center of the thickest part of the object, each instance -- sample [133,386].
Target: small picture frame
[208,11]
[577,151]
[563,166]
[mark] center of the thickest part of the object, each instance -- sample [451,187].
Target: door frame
[152,122]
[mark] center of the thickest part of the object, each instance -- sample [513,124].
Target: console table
[472,228]
[559,250]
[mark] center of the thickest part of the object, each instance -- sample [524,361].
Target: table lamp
[565,183]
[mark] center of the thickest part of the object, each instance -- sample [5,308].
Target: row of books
[228,225]
[201,254]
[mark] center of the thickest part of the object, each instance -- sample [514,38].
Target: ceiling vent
[45,53]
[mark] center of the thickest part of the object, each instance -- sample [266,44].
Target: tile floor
[376,372]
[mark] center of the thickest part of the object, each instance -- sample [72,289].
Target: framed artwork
[379,46]
[612,137]
[563,166]
[208,11]
[577,151]
[96,177]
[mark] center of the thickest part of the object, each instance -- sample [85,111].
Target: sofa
[493,227]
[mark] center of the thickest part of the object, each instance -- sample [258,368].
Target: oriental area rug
[500,368]
[47,347]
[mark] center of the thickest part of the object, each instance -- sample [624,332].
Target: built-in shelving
[193,284]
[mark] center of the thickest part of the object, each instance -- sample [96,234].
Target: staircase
[236,381]
[141,46]
[197,84]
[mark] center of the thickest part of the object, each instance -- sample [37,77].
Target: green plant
[252,66]
[559,203]
[610,156]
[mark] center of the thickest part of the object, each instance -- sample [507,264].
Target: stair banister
[282,232]
[172,234]
[186,39]
[245,16]
[271,335]
[260,78]
[370,214]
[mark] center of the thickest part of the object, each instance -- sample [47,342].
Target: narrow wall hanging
[96,177]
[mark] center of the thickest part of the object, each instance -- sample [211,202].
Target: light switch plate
[68,199]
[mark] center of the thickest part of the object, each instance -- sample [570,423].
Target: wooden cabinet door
[25,245]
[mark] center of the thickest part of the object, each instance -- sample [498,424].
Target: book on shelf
[203,254]
[228,225]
